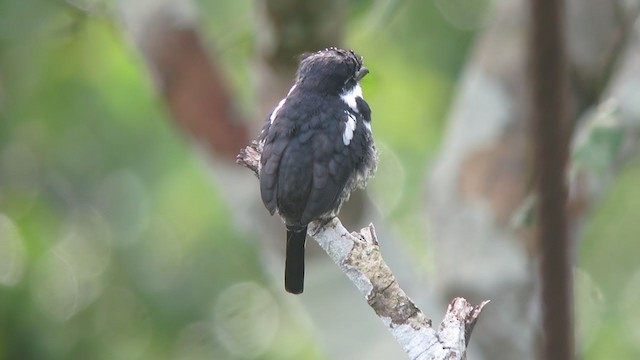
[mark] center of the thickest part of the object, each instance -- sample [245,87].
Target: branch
[358,256]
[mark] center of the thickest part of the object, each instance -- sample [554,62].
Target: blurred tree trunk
[550,133]
[196,94]
[188,77]
[484,170]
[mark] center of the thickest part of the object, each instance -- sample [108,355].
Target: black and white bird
[317,147]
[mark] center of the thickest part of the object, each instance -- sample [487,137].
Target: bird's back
[306,164]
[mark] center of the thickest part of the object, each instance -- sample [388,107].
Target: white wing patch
[349,128]
[275,111]
[350,97]
[367,125]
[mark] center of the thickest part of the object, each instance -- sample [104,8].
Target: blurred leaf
[608,254]
[524,216]
[601,141]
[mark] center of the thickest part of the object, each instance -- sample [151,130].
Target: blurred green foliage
[601,142]
[114,243]
[609,256]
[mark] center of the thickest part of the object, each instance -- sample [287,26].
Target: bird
[317,147]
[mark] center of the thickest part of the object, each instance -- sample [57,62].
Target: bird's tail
[294,264]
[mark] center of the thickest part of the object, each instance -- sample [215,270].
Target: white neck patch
[350,97]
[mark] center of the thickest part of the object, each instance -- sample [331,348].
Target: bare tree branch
[358,256]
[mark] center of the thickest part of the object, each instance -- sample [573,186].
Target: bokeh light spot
[86,243]
[55,287]
[590,307]
[123,324]
[12,252]
[246,318]
[195,342]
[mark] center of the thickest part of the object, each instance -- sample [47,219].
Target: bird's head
[332,71]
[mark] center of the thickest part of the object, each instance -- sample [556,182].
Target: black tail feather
[294,265]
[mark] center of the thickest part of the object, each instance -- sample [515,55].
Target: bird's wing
[274,141]
[333,164]
[294,181]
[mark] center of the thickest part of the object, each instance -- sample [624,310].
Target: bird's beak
[361,73]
